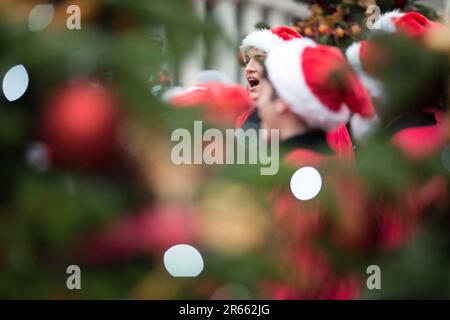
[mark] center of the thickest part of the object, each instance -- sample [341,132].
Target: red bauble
[79,125]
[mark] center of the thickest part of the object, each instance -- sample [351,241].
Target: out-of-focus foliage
[116,221]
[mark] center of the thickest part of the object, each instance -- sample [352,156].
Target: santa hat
[267,39]
[222,102]
[364,55]
[360,56]
[412,24]
[317,83]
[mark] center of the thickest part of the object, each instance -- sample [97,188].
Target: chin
[253,96]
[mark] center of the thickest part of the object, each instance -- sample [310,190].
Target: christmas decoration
[86,176]
[341,23]
[222,103]
[79,125]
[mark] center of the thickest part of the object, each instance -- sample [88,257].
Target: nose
[250,67]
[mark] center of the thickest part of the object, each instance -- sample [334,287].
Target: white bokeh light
[15,82]
[38,157]
[183,260]
[40,17]
[306,183]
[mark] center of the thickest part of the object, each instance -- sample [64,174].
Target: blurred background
[86,176]
[238,18]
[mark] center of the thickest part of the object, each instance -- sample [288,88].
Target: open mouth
[252,82]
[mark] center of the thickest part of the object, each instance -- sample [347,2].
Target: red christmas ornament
[79,124]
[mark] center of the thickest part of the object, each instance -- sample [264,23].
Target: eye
[260,58]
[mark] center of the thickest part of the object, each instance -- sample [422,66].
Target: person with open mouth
[254,49]
[253,71]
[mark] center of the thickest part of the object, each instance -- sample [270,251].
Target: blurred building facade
[441,6]
[236,18]
[239,17]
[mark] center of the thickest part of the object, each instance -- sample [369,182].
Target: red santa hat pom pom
[317,83]
[412,24]
[267,39]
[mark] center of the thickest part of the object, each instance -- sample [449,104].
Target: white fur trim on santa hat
[385,23]
[374,87]
[362,128]
[262,39]
[286,74]
[178,91]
